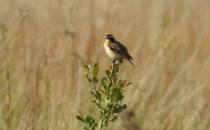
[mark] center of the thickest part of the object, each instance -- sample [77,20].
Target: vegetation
[108,96]
[43,44]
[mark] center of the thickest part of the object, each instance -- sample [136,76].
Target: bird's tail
[130,60]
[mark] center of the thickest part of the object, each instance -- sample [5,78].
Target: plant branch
[107,95]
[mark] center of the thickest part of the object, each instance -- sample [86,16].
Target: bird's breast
[109,52]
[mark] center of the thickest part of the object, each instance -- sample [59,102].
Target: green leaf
[90,121]
[95,69]
[87,76]
[79,117]
[120,108]
[105,85]
[129,83]
[108,73]
[97,96]
[94,79]
[113,118]
[104,82]
[117,94]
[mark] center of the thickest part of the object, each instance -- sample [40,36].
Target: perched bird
[116,50]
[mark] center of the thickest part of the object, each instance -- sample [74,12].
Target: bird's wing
[117,47]
[113,47]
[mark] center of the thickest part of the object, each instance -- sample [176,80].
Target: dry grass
[44,42]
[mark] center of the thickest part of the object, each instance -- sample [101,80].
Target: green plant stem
[100,124]
[112,68]
[113,64]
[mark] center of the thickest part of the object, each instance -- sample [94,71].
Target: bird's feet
[114,61]
[117,61]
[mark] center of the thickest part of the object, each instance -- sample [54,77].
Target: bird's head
[110,37]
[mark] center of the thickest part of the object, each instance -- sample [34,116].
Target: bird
[116,50]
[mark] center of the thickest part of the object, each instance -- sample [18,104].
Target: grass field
[43,44]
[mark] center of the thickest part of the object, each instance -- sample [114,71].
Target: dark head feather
[110,37]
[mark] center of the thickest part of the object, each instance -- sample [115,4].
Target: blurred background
[43,44]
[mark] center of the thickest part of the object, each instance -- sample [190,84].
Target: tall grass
[44,42]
